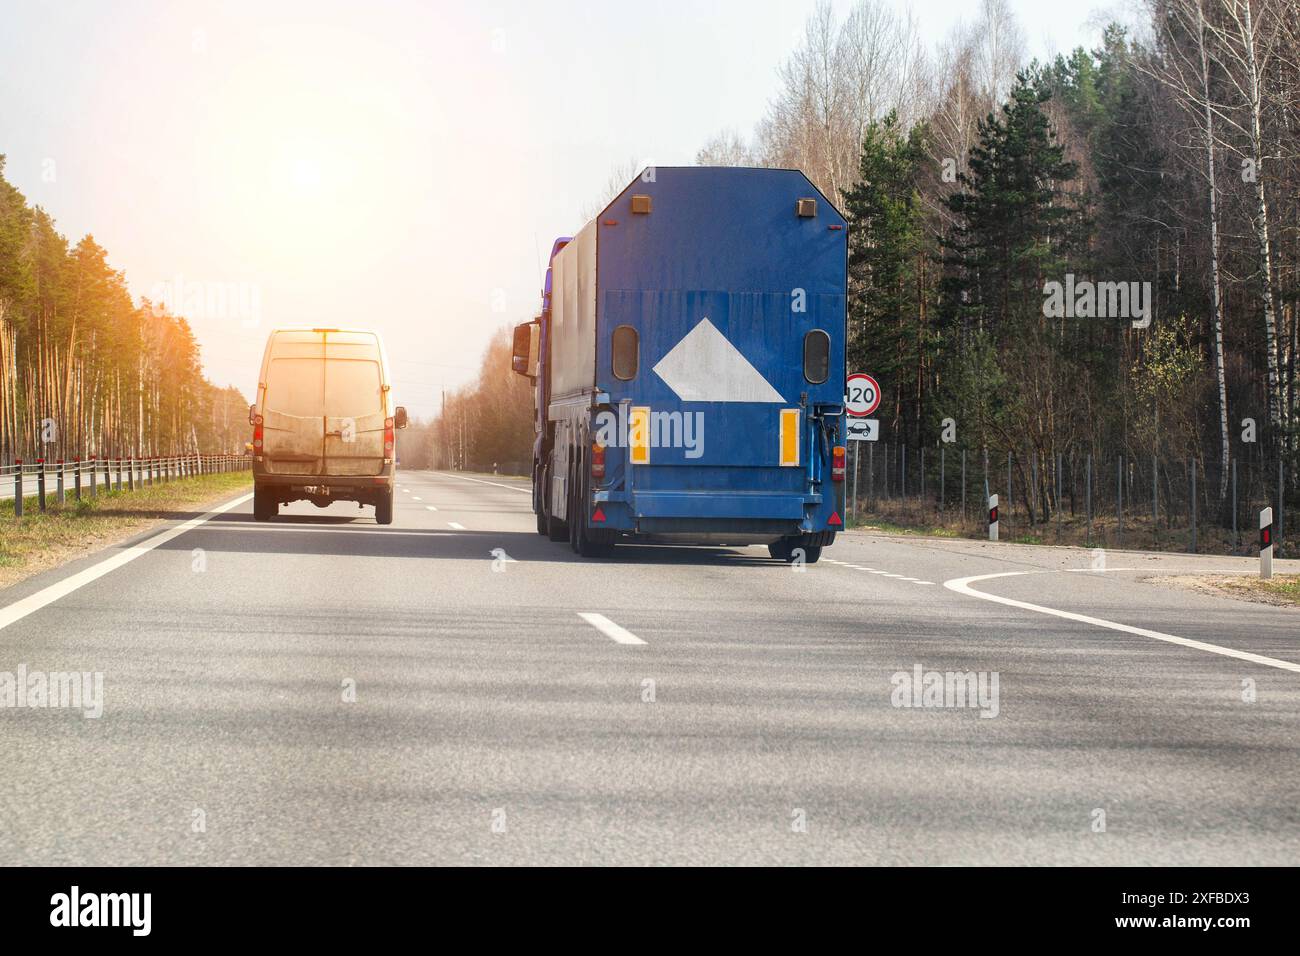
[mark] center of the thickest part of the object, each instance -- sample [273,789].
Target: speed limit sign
[862,395]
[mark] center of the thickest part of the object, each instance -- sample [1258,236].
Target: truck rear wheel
[547,525]
[784,550]
[264,506]
[384,508]
[586,541]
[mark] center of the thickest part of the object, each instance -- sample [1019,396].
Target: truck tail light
[389,438]
[257,435]
[598,462]
[837,463]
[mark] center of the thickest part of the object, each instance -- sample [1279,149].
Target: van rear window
[352,388]
[294,386]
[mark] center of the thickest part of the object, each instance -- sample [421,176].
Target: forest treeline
[85,371]
[486,426]
[982,190]
[1151,181]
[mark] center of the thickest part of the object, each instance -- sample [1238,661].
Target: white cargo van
[323,423]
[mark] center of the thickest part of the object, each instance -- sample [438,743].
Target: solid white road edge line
[527,491]
[962,586]
[607,627]
[34,602]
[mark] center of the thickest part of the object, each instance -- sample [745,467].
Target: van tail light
[257,435]
[837,463]
[598,462]
[388,438]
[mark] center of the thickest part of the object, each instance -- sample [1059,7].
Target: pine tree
[887,267]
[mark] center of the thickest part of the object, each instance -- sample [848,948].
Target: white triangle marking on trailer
[705,367]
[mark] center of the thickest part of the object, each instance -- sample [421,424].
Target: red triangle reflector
[598,516]
[835,518]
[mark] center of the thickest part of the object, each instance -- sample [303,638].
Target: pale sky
[394,165]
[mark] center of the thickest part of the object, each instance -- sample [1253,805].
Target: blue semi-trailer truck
[689,367]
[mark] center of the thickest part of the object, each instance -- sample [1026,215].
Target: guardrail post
[993,517]
[40,483]
[1266,543]
[18,488]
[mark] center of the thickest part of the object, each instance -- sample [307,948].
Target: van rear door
[292,407]
[354,405]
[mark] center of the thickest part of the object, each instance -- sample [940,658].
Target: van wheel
[384,509]
[264,506]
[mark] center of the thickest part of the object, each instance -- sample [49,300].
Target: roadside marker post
[1266,544]
[18,488]
[40,483]
[58,483]
[993,517]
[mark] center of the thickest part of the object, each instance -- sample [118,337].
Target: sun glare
[306,174]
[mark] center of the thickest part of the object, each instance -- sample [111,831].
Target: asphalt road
[503,709]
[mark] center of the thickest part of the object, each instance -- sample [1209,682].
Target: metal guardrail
[54,482]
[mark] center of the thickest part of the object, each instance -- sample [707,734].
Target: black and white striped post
[1266,543]
[993,517]
[58,483]
[40,483]
[18,487]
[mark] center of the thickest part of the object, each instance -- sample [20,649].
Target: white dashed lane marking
[888,574]
[611,630]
